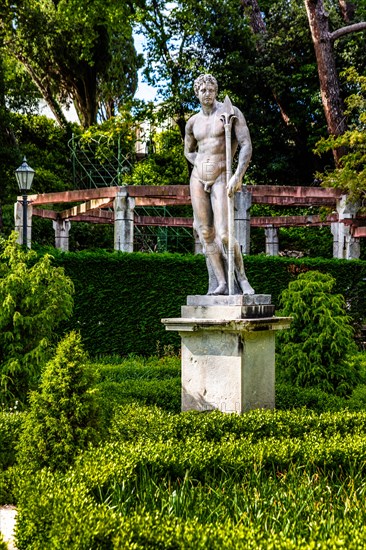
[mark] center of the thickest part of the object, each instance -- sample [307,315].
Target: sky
[144,91]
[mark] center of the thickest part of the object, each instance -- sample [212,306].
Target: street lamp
[24,176]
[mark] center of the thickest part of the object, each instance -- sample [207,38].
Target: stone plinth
[228,358]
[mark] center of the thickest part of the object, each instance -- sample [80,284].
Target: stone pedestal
[228,352]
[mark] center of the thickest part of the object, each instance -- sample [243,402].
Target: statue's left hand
[234,185]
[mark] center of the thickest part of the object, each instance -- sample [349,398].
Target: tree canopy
[265,54]
[85,52]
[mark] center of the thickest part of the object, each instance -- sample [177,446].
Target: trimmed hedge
[262,480]
[121,298]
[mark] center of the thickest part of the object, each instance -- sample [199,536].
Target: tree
[323,41]
[316,351]
[8,144]
[84,53]
[267,66]
[350,174]
[285,62]
[35,298]
[63,416]
[165,163]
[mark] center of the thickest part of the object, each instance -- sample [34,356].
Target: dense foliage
[194,479]
[63,412]
[85,53]
[350,175]
[206,480]
[120,299]
[317,349]
[165,163]
[35,298]
[269,70]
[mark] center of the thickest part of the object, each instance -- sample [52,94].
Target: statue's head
[205,79]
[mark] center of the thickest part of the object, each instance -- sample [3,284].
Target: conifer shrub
[35,297]
[63,417]
[318,349]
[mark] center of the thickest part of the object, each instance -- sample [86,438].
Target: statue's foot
[220,290]
[246,288]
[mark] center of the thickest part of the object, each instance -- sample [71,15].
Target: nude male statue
[205,150]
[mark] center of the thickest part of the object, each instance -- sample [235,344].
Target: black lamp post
[24,175]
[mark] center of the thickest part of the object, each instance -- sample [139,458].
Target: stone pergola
[116,205]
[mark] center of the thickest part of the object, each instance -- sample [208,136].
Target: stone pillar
[345,246]
[18,221]
[228,352]
[62,229]
[243,202]
[123,221]
[272,245]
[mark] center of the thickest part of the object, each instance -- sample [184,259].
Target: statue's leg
[220,211]
[204,225]
[241,277]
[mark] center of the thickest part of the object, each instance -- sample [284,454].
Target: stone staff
[227,118]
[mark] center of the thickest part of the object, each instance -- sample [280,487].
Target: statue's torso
[209,134]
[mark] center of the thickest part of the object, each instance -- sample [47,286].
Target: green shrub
[357,401]
[8,483]
[266,479]
[139,368]
[63,416]
[316,350]
[10,428]
[3,545]
[35,298]
[289,396]
[164,393]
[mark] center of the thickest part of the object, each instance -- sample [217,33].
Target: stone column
[62,229]
[272,245]
[18,221]
[345,246]
[123,221]
[243,202]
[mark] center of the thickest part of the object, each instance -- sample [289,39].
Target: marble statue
[212,186]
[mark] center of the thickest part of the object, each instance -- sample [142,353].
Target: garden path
[7,523]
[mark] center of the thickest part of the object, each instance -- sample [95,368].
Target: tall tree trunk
[329,84]
[347,10]
[255,17]
[85,98]
[323,41]
[45,92]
